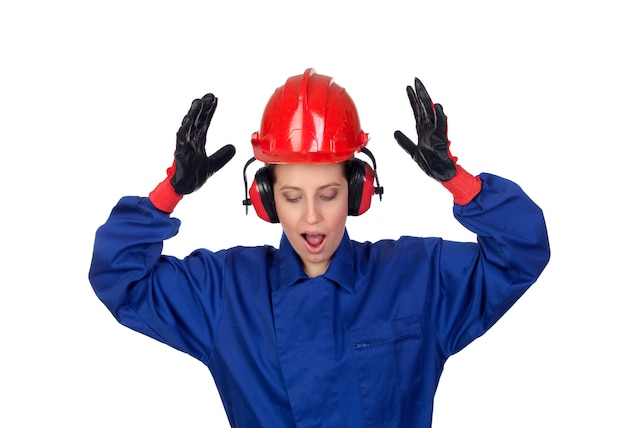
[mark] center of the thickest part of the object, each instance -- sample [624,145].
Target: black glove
[193,167]
[432,150]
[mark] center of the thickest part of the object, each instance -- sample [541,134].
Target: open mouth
[313,241]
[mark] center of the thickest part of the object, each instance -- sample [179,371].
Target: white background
[92,93]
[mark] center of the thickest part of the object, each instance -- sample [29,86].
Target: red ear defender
[261,194]
[368,190]
[257,203]
[362,185]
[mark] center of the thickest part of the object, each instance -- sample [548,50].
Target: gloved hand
[432,151]
[191,167]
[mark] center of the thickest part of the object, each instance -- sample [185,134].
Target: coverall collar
[340,271]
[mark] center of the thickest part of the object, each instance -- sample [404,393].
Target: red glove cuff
[164,197]
[463,186]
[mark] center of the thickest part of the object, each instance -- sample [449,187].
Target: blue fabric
[363,345]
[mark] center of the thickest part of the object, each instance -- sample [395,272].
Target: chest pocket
[386,356]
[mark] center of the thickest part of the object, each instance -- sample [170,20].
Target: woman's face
[312,206]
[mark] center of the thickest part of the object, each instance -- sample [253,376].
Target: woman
[322,331]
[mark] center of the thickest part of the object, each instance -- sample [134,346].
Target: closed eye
[328,197]
[291,196]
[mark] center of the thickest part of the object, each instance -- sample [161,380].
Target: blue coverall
[363,345]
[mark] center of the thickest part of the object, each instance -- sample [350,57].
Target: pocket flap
[384,331]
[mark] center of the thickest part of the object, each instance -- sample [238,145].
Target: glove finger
[184,132]
[201,123]
[194,110]
[441,127]
[220,158]
[425,101]
[207,109]
[418,111]
[405,142]
[183,135]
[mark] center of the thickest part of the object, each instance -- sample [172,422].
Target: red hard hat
[310,119]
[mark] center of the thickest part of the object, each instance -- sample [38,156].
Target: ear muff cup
[360,187]
[262,196]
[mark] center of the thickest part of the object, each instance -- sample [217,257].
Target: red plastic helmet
[310,119]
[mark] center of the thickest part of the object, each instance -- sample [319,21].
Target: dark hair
[271,170]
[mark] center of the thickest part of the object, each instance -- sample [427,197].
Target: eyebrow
[333,184]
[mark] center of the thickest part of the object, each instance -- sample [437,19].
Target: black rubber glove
[432,150]
[193,167]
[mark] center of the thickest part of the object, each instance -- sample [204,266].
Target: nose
[312,214]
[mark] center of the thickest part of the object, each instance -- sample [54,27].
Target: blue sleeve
[479,282]
[152,293]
